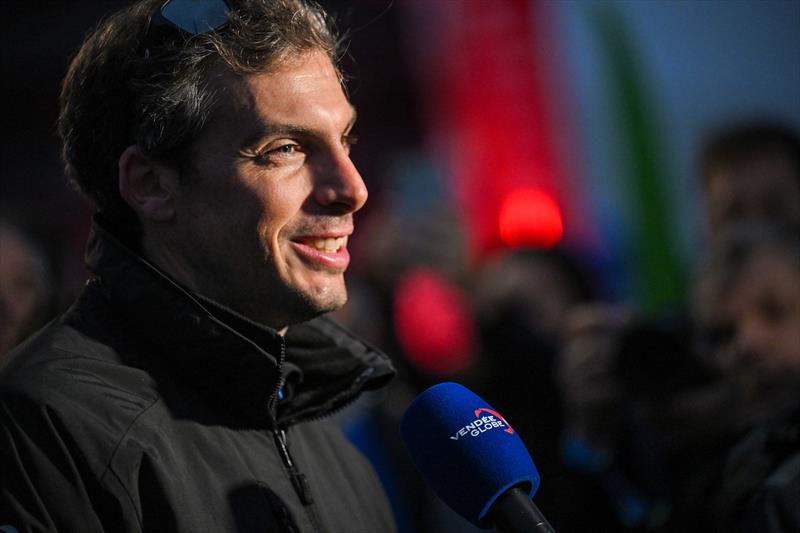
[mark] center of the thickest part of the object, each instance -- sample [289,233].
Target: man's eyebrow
[266,129]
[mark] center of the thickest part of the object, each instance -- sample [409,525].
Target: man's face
[763,188]
[23,287]
[265,209]
[761,311]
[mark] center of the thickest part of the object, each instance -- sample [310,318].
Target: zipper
[298,479]
[272,403]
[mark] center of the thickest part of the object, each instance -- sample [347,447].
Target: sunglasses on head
[189,17]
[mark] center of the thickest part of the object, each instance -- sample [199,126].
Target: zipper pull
[298,479]
[303,489]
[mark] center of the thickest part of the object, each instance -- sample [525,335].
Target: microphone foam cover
[465,450]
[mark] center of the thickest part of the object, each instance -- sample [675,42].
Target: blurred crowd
[683,420]
[688,420]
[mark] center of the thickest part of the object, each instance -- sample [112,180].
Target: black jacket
[760,485]
[146,408]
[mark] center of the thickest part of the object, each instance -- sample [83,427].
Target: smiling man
[273,190]
[189,386]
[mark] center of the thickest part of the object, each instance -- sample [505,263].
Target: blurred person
[190,386]
[751,171]
[647,419]
[26,285]
[747,300]
[748,171]
[521,298]
[637,383]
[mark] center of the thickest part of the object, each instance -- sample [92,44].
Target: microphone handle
[514,512]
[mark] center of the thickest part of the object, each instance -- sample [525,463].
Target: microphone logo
[508,430]
[482,424]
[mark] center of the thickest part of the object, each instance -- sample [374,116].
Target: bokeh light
[530,217]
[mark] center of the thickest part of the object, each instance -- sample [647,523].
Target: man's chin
[311,304]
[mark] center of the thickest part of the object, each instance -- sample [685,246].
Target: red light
[433,323]
[530,217]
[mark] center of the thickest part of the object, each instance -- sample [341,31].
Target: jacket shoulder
[78,382]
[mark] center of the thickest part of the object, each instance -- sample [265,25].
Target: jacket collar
[226,357]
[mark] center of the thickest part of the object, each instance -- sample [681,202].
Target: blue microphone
[473,459]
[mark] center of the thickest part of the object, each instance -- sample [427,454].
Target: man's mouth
[328,251]
[328,245]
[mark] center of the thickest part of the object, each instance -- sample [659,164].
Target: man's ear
[147,186]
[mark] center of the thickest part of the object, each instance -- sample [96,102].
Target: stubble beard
[277,303]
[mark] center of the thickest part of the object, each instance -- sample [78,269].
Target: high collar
[227,358]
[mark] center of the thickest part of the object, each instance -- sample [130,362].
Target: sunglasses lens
[196,16]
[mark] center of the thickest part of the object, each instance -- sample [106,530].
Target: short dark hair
[115,94]
[745,140]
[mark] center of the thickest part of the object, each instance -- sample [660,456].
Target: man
[751,171]
[619,370]
[189,387]
[747,300]
[26,284]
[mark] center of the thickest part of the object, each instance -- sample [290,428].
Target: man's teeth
[330,244]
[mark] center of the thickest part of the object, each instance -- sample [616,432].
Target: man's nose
[340,184]
[753,339]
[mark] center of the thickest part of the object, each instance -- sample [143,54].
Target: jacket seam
[76,355]
[108,469]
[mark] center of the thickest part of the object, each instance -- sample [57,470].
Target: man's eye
[285,149]
[349,140]
[773,310]
[278,153]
